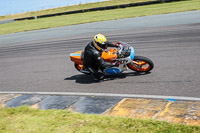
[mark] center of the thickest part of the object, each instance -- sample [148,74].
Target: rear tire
[141,64]
[81,69]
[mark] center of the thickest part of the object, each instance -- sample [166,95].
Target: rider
[93,61]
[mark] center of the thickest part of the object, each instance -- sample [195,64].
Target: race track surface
[44,65]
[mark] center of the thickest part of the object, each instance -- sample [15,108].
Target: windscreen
[126,50]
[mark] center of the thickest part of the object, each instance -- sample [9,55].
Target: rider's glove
[117,45]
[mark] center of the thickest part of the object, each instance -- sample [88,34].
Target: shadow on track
[87,79]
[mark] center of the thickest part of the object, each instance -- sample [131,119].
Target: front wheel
[141,64]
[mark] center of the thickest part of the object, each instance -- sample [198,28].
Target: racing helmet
[99,42]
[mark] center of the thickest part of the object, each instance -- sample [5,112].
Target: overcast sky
[19,6]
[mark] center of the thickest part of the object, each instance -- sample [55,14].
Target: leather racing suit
[93,61]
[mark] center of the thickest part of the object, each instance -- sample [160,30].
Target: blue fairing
[112,71]
[132,53]
[75,54]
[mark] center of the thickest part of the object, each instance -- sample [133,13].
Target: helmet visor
[103,46]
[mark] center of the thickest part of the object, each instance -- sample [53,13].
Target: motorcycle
[124,54]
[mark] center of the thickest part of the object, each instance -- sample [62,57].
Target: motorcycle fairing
[76,57]
[107,56]
[110,55]
[132,53]
[112,71]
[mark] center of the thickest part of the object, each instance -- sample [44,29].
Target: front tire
[141,64]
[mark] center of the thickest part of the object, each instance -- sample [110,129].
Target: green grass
[43,23]
[24,119]
[70,8]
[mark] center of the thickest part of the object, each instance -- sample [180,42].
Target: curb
[170,110]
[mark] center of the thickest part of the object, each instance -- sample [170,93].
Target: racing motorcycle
[124,55]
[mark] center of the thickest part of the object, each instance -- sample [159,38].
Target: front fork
[123,65]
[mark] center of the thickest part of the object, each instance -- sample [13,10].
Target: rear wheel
[81,69]
[141,64]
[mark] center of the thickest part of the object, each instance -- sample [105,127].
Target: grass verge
[70,8]
[43,23]
[24,119]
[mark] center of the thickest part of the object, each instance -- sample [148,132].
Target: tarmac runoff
[170,110]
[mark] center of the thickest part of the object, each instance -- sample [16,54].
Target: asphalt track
[41,63]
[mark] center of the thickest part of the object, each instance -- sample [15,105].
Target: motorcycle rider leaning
[93,61]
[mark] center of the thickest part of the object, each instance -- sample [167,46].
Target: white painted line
[104,95]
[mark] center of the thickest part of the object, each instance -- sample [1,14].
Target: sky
[8,7]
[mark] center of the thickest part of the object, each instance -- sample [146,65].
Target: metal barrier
[7,21]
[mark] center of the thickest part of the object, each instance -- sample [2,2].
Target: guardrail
[7,21]
[91,9]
